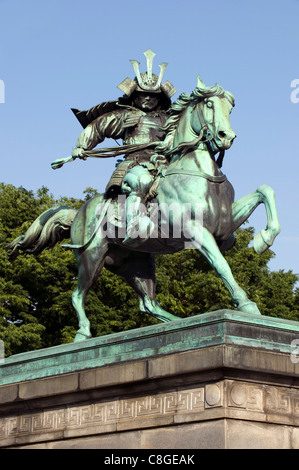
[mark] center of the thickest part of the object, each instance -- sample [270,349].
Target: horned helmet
[147,81]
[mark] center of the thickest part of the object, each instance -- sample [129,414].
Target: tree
[35,292]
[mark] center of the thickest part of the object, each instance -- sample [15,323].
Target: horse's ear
[200,83]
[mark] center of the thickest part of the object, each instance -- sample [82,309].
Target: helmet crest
[147,81]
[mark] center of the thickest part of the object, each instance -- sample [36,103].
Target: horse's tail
[51,227]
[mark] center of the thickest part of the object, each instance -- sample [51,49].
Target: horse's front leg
[242,209]
[206,244]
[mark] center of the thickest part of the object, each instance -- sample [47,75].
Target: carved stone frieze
[228,399]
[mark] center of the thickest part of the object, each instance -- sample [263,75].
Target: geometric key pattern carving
[242,400]
[105,413]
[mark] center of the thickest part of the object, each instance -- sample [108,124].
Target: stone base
[219,380]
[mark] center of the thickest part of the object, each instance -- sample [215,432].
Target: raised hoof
[249,307]
[259,243]
[81,337]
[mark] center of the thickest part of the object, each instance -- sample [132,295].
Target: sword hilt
[59,162]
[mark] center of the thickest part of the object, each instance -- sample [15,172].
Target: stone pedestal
[219,380]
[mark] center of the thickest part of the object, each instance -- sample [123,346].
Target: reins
[211,178]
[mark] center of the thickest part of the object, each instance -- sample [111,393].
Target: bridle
[205,136]
[208,135]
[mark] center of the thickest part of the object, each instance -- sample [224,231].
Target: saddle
[114,184]
[154,165]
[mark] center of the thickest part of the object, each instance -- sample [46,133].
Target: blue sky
[70,53]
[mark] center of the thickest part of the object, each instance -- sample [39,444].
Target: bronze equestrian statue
[174,174]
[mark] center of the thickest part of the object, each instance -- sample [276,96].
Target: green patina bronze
[176,195]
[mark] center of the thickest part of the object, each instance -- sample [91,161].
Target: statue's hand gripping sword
[59,162]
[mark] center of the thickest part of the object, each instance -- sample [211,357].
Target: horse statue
[197,129]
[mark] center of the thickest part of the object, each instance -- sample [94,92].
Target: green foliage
[35,292]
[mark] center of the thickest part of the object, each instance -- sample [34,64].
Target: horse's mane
[179,106]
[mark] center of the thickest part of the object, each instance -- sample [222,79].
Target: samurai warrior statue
[137,118]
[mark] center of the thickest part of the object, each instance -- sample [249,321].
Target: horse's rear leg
[78,301]
[242,209]
[138,269]
[89,268]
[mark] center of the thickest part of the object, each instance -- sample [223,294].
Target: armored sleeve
[106,126]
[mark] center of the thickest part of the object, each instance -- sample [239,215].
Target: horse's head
[211,111]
